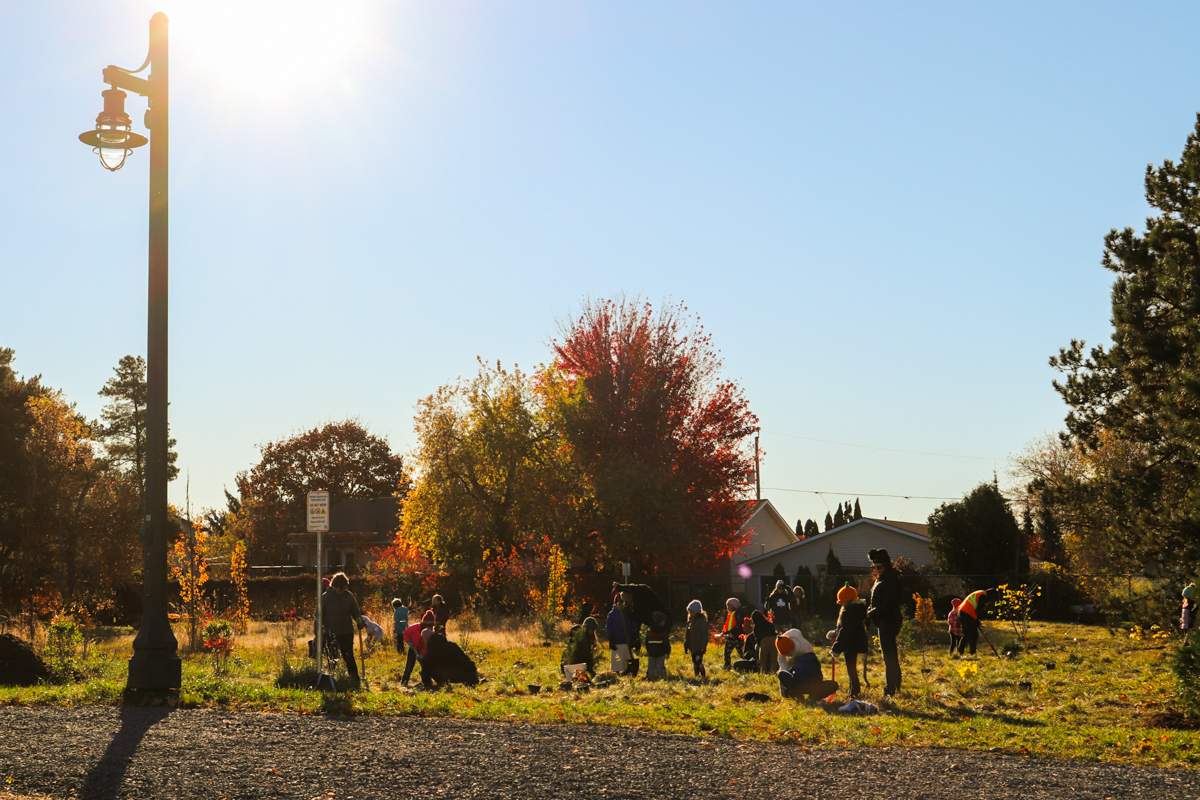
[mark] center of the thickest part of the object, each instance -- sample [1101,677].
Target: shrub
[62,639]
[1185,663]
[218,640]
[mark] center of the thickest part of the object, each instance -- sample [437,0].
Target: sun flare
[270,50]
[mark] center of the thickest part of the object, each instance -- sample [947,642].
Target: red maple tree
[657,434]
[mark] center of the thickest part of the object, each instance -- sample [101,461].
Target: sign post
[318,523]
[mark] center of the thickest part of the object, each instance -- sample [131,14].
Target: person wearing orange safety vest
[731,628]
[969,611]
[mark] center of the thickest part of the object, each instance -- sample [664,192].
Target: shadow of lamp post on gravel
[155,665]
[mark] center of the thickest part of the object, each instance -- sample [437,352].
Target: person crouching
[800,671]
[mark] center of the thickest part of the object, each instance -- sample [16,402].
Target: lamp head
[112,138]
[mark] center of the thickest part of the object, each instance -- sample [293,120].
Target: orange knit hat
[846,594]
[784,645]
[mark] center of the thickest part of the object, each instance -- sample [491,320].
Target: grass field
[1078,692]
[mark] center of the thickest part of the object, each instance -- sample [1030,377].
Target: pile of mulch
[131,752]
[19,665]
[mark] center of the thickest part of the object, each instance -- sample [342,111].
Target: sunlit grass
[1091,704]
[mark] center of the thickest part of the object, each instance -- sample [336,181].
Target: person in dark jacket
[340,613]
[642,603]
[779,606]
[695,641]
[658,647]
[850,639]
[445,662]
[886,598]
[581,646]
[764,641]
[748,648]
[798,604]
[623,636]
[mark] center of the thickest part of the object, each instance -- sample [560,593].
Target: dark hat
[658,617]
[879,556]
[590,623]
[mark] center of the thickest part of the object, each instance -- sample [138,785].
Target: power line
[856,494]
[885,449]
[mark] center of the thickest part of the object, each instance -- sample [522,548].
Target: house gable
[767,530]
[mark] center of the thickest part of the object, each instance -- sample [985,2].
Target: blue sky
[888,219]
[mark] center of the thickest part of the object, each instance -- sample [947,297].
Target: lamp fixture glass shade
[112,138]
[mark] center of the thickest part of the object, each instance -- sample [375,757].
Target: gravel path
[156,753]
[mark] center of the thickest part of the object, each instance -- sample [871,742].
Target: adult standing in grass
[622,635]
[851,637]
[886,597]
[340,613]
[642,603]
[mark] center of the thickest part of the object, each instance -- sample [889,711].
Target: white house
[768,532]
[850,543]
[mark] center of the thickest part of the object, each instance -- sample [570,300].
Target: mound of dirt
[19,665]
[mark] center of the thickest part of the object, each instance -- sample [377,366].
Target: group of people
[768,642]
[442,661]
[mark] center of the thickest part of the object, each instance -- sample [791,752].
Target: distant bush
[1185,663]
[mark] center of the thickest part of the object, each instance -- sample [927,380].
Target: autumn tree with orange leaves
[656,434]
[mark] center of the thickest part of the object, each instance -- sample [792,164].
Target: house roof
[919,528]
[765,505]
[907,530]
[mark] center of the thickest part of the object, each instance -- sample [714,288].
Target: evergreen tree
[811,528]
[799,529]
[839,517]
[1143,391]
[828,522]
[857,509]
[833,564]
[977,535]
[123,431]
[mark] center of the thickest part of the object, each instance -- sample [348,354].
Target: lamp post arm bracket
[115,76]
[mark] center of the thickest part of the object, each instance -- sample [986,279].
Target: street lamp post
[155,663]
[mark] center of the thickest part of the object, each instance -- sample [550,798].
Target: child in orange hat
[850,639]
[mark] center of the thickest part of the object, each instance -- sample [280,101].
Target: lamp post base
[155,671]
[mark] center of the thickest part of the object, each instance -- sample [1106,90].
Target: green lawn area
[1092,694]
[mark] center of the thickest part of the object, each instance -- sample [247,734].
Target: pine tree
[123,432]
[839,518]
[799,529]
[833,564]
[828,522]
[811,528]
[857,509]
